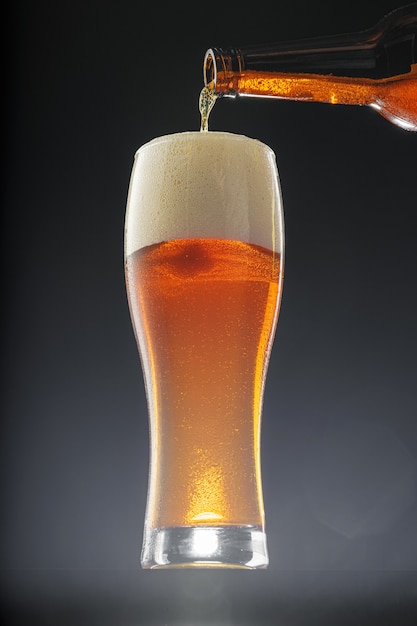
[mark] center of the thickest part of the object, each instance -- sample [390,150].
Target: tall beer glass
[203,246]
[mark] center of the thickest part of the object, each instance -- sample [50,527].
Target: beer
[205,312]
[206,102]
[395,98]
[204,267]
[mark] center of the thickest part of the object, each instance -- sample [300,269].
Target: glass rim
[204,136]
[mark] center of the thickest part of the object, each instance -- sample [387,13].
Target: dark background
[85,84]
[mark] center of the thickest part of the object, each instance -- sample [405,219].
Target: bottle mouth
[219,67]
[210,69]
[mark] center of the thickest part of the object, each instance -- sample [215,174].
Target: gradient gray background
[86,84]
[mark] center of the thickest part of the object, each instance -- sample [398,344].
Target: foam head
[204,185]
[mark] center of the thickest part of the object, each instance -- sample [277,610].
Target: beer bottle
[377,68]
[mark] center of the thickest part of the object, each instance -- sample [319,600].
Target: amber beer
[395,98]
[204,307]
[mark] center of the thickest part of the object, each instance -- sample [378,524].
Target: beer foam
[204,185]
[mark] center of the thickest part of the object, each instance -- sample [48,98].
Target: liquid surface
[204,313]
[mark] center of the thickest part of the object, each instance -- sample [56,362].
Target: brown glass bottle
[377,68]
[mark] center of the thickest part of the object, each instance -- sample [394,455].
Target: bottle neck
[388,49]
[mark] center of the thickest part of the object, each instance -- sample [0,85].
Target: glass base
[242,547]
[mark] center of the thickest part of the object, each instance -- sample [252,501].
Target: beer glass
[203,261]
